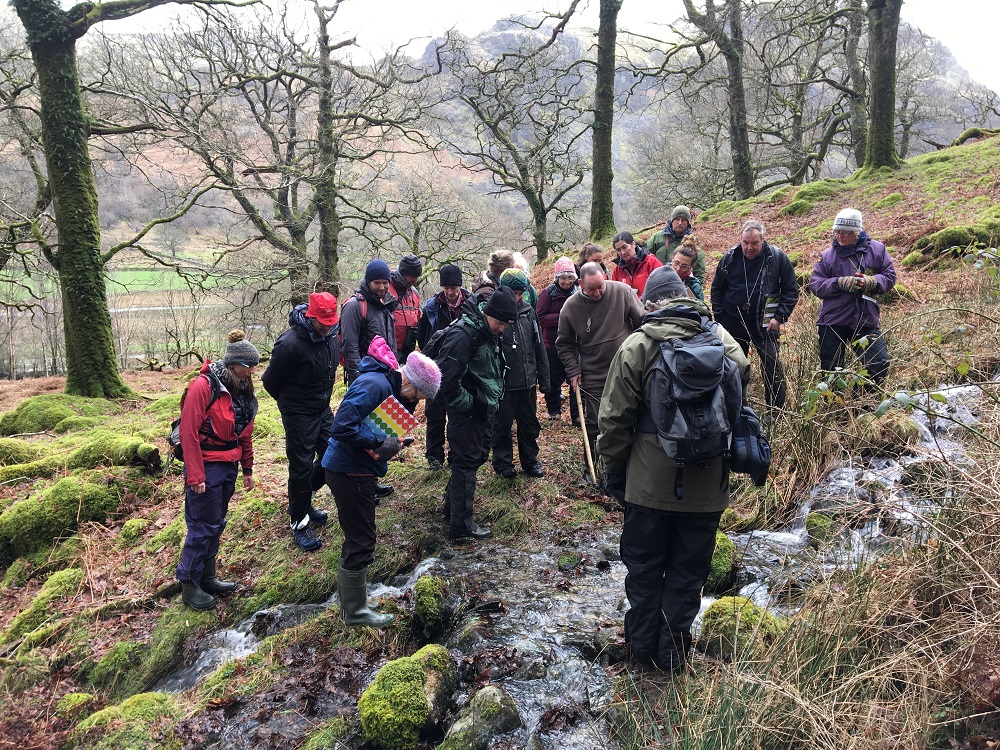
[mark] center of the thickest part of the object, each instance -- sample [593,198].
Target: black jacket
[437,315]
[357,331]
[527,363]
[778,284]
[303,367]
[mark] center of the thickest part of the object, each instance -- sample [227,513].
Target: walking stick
[586,438]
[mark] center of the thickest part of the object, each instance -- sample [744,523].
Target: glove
[869,285]
[614,483]
[849,283]
[389,448]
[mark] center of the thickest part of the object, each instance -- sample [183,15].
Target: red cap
[323,307]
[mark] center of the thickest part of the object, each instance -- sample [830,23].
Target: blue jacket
[346,452]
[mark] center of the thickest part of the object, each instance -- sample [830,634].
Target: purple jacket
[550,302]
[854,309]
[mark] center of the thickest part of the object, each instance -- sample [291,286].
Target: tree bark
[602,208]
[859,83]
[330,223]
[883,30]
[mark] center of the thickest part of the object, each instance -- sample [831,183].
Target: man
[367,314]
[472,383]
[847,277]
[527,366]
[407,312]
[439,312]
[668,536]
[592,325]
[664,243]
[300,377]
[754,291]
[633,264]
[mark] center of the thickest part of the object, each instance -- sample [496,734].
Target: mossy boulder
[720,573]
[76,424]
[60,586]
[735,625]
[116,664]
[795,257]
[891,434]
[133,528]
[264,426]
[898,292]
[408,697]
[430,607]
[737,522]
[820,190]
[798,208]
[819,529]
[986,232]
[490,713]
[42,413]
[888,201]
[141,721]
[33,523]
[103,448]
[14,451]
[73,706]
[913,259]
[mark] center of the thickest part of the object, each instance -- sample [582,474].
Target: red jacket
[407,312]
[203,425]
[636,278]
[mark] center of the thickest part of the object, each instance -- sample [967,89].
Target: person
[530,294]
[633,264]
[668,536]
[683,262]
[488,281]
[472,383]
[846,278]
[439,312]
[592,325]
[300,378]
[527,366]
[351,468]
[368,313]
[550,303]
[754,291]
[217,438]
[664,243]
[591,253]
[407,311]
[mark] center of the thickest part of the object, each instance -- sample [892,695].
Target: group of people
[479,355]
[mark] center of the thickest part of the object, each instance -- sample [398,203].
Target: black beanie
[451,275]
[411,265]
[502,305]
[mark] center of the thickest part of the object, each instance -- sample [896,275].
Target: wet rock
[408,698]
[610,644]
[721,573]
[819,527]
[491,712]
[892,434]
[734,625]
[430,610]
[583,643]
[532,670]
[611,553]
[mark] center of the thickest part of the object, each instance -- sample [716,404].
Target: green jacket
[471,364]
[650,474]
[664,244]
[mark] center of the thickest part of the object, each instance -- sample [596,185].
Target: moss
[505,516]
[141,721]
[74,706]
[17,574]
[60,585]
[394,707]
[13,451]
[107,448]
[168,405]
[45,467]
[819,190]
[491,712]
[132,529]
[819,528]
[264,426]
[892,434]
[723,561]
[888,201]
[734,625]
[76,424]
[798,208]
[568,559]
[118,662]
[434,657]
[986,232]
[327,735]
[795,258]
[898,292]
[165,651]
[780,194]
[430,612]
[170,535]
[913,259]
[42,413]
[28,670]
[733,520]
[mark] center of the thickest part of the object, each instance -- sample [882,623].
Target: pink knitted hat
[424,373]
[565,266]
[381,351]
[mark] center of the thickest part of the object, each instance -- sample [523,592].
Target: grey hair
[590,269]
[752,225]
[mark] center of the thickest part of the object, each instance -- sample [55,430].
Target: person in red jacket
[633,264]
[217,414]
[406,316]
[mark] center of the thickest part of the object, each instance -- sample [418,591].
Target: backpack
[174,438]
[340,330]
[750,453]
[433,346]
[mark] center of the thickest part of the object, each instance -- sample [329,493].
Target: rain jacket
[550,303]
[471,363]
[853,309]
[406,314]
[527,364]
[357,332]
[437,315]
[303,368]
[636,273]
[778,286]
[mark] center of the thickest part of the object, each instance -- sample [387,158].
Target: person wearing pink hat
[550,303]
[300,377]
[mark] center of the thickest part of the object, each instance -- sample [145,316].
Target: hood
[389,303]
[397,280]
[370,364]
[676,317]
[557,291]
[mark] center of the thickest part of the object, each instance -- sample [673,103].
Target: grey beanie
[663,283]
[681,211]
[848,220]
[240,351]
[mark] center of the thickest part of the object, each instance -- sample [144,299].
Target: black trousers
[668,555]
[520,406]
[436,413]
[874,355]
[355,498]
[767,345]
[557,376]
[468,433]
[306,438]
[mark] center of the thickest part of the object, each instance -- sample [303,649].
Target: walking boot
[317,516]
[382,489]
[353,590]
[195,598]
[210,584]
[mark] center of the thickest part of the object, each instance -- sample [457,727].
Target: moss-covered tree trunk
[325,194]
[602,207]
[91,366]
[859,82]
[883,30]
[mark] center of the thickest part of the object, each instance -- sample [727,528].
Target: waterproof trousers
[668,555]
[520,406]
[355,498]
[436,413]
[205,515]
[874,355]
[306,437]
[557,376]
[767,345]
[467,435]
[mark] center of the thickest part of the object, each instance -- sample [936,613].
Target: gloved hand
[868,284]
[389,448]
[614,482]
[849,283]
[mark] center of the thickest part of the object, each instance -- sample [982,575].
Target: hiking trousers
[767,345]
[467,434]
[355,498]
[874,355]
[306,437]
[520,406]
[205,516]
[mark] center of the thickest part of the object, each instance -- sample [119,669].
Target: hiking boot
[507,472]
[210,584]
[383,490]
[434,464]
[554,416]
[535,470]
[480,532]
[352,587]
[317,516]
[193,596]
[306,540]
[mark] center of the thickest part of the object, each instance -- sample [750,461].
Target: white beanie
[848,220]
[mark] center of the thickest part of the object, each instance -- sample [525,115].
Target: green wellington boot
[195,598]
[354,600]
[212,585]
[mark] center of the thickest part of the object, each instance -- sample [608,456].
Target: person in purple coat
[847,278]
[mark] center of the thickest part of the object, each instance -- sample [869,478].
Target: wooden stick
[586,438]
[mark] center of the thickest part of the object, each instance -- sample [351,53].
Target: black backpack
[174,438]
[433,347]
[750,453]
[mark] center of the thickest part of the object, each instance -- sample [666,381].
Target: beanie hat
[411,265]
[500,261]
[323,307]
[424,373]
[681,211]
[451,275]
[514,278]
[240,351]
[502,305]
[564,266]
[376,270]
[663,283]
[848,220]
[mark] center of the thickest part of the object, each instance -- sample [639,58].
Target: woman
[591,253]
[550,302]
[633,264]
[217,413]
[355,457]
[683,263]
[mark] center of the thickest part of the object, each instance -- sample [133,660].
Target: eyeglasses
[680,266]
